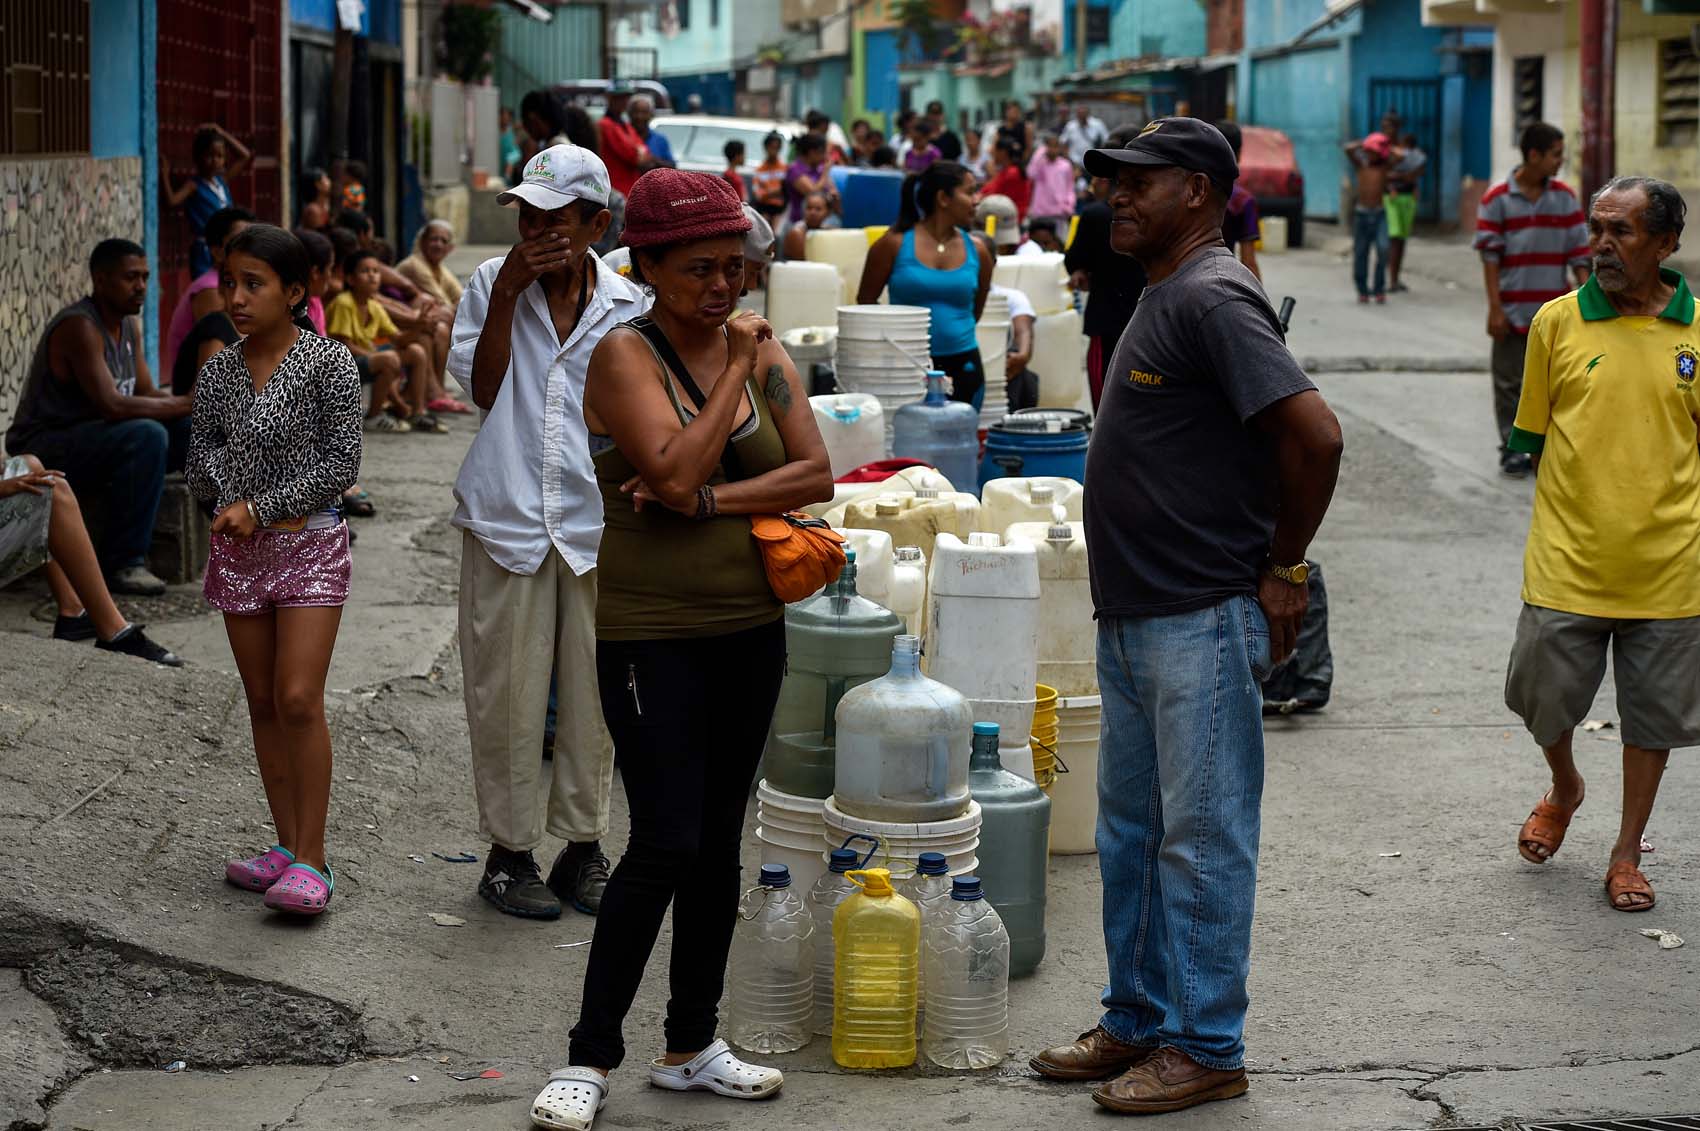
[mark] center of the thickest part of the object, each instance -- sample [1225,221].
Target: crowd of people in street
[634,420]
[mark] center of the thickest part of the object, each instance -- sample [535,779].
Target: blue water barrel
[1035,445]
[869,196]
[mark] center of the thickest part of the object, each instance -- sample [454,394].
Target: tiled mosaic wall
[52,213]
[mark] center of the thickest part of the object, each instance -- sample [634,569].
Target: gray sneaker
[135,581]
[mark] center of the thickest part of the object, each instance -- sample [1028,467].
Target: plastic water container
[1028,445]
[903,843]
[1059,358]
[846,249]
[773,967]
[807,345]
[870,196]
[874,564]
[983,632]
[1042,278]
[927,888]
[1074,797]
[853,428]
[991,335]
[902,745]
[909,588]
[791,831]
[823,899]
[1028,498]
[1068,636]
[913,520]
[876,943]
[965,956]
[939,431]
[802,294]
[900,483]
[1015,826]
[834,642]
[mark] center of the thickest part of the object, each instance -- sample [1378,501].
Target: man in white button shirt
[1082,132]
[531,517]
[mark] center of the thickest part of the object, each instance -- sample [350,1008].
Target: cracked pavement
[1449,985]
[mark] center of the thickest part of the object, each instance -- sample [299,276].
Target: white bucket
[1074,797]
[901,844]
[790,829]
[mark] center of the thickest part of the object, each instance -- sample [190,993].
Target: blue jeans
[122,463]
[1180,785]
[1369,226]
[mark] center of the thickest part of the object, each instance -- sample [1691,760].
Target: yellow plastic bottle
[876,936]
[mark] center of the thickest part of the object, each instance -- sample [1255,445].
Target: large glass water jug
[903,745]
[1015,829]
[835,641]
[940,432]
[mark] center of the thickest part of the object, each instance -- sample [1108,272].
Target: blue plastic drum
[869,196]
[1038,443]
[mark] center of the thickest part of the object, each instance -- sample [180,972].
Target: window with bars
[1528,89]
[44,85]
[1679,93]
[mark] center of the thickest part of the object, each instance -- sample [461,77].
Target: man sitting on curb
[90,408]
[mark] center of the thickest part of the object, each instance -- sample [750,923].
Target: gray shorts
[1559,659]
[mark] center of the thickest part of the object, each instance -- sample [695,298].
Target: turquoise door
[1304,96]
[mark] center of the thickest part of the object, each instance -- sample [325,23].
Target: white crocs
[717,1070]
[570,1101]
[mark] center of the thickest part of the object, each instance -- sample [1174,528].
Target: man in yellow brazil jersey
[1610,411]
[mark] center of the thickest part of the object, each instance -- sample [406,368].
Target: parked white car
[699,140]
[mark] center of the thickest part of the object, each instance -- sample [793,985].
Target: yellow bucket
[1044,737]
[874,232]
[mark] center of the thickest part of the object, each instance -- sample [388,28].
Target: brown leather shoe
[1169,1080]
[1094,1055]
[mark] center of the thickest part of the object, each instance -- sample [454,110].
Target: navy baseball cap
[1186,143]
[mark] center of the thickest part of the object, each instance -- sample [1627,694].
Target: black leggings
[967,375]
[689,719]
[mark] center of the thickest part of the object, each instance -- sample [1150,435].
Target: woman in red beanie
[697,420]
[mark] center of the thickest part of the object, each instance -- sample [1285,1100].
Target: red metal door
[218,61]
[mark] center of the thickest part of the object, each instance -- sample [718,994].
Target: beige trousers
[513,630]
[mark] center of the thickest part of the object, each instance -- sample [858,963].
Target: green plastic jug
[1015,830]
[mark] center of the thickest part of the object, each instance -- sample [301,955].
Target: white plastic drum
[1068,636]
[846,249]
[802,294]
[1074,796]
[853,427]
[1059,358]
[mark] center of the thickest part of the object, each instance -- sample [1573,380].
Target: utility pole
[1599,93]
[1080,35]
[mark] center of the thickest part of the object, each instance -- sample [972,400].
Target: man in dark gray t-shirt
[1212,463]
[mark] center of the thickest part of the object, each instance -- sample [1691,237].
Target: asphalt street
[1409,969]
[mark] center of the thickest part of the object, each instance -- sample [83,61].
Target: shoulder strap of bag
[730,465]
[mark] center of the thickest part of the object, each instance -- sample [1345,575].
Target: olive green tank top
[662,575]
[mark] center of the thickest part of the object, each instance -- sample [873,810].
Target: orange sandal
[1545,828]
[1625,878]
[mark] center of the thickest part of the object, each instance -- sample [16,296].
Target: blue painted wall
[115,78]
[381,19]
[879,71]
[717,89]
[1391,44]
[824,91]
[1305,95]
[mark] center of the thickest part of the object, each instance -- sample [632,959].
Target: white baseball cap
[560,175]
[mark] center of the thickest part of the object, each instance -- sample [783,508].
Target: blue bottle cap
[843,859]
[932,864]
[775,876]
[986,728]
[966,889]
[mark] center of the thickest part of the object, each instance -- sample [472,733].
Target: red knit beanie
[672,206]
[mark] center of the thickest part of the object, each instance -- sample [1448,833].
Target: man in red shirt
[622,150]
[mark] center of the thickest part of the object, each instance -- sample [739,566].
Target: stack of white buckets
[883,351]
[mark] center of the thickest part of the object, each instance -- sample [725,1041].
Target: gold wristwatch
[1293,574]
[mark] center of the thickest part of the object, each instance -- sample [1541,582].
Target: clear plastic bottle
[773,967]
[966,954]
[929,890]
[877,944]
[829,891]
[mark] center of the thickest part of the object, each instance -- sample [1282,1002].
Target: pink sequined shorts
[275,569]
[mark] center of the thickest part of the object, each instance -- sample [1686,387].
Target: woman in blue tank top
[932,258]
